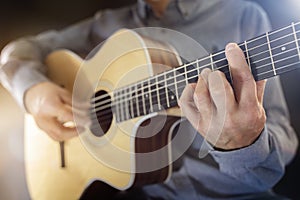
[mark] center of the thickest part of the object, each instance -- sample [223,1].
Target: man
[249,156]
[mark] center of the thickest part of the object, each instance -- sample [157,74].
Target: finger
[221,92]
[55,129]
[82,117]
[63,132]
[187,95]
[202,97]
[204,73]
[260,85]
[64,113]
[187,105]
[66,97]
[81,105]
[243,81]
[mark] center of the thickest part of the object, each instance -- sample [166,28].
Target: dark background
[24,17]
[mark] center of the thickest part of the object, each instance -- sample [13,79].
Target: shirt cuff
[24,79]
[243,158]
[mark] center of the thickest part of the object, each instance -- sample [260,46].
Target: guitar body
[117,65]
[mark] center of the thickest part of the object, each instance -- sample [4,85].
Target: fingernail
[230,46]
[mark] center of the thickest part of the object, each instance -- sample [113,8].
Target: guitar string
[106,120]
[253,40]
[141,106]
[192,63]
[280,46]
[257,47]
[215,62]
[99,108]
[191,71]
[252,56]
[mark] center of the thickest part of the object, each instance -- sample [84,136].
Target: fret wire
[256,68]
[157,92]
[258,74]
[211,62]
[285,66]
[227,66]
[262,52]
[296,39]
[271,33]
[166,90]
[198,68]
[271,57]
[143,99]
[127,106]
[198,60]
[269,63]
[247,55]
[150,95]
[274,62]
[122,109]
[203,58]
[278,68]
[131,102]
[137,100]
[195,62]
[117,110]
[185,74]
[251,40]
[175,81]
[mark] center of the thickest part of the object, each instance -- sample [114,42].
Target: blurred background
[25,17]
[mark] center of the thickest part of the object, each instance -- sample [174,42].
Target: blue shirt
[238,174]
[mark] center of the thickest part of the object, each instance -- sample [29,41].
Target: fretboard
[267,55]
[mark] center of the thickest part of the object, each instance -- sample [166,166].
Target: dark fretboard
[267,55]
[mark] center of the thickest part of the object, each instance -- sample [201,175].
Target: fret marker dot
[172,97]
[146,95]
[283,48]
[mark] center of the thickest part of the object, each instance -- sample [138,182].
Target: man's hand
[51,106]
[228,118]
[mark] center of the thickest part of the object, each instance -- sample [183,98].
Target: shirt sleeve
[262,164]
[21,61]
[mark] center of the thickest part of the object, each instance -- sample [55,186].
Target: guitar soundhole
[101,113]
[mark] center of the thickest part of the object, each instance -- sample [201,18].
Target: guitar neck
[267,55]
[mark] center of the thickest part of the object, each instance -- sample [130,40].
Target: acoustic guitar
[133,93]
